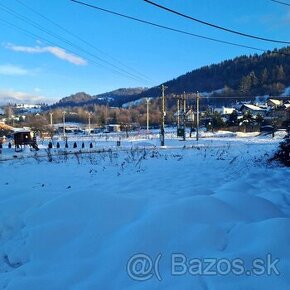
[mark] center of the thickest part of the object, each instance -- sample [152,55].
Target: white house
[224,110]
[113,128]
[274,103]
[254,110]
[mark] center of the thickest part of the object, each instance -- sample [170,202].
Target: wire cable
[167,27]
[280,2]
[41,28]
[80,39]
[46,41]
[214,25]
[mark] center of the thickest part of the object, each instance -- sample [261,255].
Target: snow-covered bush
[283,153]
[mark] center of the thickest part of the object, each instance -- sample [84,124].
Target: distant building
[239,105]
[28,108]
[273,103]
[224,110]
[113,128]
[252,109]
[189,115]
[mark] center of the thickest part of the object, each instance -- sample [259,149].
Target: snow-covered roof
[253,107]
[5,127]
[20,130]
[276,102]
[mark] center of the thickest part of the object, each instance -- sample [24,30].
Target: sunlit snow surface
[75,222]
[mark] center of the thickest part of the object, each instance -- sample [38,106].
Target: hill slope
[246,76]
[114,98]
[266,74]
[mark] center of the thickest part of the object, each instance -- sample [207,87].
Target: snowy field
[142,217]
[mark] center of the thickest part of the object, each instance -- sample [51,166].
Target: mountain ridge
[242,76]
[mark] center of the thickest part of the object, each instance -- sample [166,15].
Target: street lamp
[147,101]
[51,114]
[162,133]
[63,120]
[197,115]
[89,121]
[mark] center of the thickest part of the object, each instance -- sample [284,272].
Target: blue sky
[34,65]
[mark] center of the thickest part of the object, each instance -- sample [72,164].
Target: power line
[209,98]
[37,37]
[167,27]
[280,2]
[79,38]
[214,25]
[36,25]
[41,28]
[212,96]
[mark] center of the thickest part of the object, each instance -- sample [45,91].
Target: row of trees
[254,75]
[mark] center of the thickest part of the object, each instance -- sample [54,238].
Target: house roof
[276,102]
[21,130]
[5,127]
[252,107]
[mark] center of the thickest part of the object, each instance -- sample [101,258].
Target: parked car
[267,129]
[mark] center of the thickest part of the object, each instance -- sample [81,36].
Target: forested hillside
[244,76]
[114,98]
[266,74]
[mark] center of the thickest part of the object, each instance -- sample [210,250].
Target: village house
[253,110]
[273,103]
[224,110]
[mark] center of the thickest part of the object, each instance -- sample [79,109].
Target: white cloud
[13,96]
[54,50]
[12,70]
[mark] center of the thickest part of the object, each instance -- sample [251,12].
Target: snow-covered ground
[82,220]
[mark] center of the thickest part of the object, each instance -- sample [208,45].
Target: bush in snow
[283,153]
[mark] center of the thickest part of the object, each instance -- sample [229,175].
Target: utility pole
[63,120]
[184,115]
[178,112]
[197,115]
[106,113]
[184,102]
[89,119]
[147,101]
[51,114]
[162,137]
